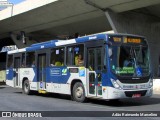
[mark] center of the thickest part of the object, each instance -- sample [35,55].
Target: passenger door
[41,70]
[17,64]
[95,63]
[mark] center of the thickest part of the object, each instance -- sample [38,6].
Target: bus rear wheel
[26,87]
[79,92]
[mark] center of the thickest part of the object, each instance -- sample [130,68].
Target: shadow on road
[2,87]
[127,102]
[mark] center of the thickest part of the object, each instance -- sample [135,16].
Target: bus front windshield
[129,61]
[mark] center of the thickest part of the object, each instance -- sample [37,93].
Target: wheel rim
[79,92]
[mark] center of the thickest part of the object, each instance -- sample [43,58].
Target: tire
[78,92]
[26,87]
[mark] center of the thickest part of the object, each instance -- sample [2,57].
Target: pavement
[12,99]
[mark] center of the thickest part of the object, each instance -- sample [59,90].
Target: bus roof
[55,43]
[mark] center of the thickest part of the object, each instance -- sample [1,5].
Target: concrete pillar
[20,43]
[140,24]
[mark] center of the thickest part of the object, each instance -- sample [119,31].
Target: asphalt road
[12,99]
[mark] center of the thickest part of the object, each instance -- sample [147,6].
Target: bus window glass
[75,55]
[91,60]
[126,60]
[23,60]
[30,58]
[99,60]
[10,61]
[57,57]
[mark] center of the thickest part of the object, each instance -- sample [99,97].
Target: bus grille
[131,93]
[131,81]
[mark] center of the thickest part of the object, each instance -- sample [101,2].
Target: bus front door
[94,65]
[17,63]
[41,71]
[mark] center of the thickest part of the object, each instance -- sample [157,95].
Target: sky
[15,1]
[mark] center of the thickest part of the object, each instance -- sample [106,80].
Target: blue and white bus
[101,66]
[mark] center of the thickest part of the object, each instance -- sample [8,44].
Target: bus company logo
[64,71]
[7,72]
[93,37]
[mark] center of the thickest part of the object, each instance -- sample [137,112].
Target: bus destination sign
[126,40]
[132,40]
[117,39]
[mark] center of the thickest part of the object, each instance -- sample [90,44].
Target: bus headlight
[150,82]
[115,84]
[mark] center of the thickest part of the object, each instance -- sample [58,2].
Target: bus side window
[10,61]
[57,57]
[69,55]
[75,55]
[30,58]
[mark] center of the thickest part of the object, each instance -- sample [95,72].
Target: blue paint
[52,43]
[11,74]
[60,77]
[139,71]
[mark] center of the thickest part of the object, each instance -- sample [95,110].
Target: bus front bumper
[112,93]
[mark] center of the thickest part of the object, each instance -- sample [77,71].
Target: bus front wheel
[26,87]
[79,92]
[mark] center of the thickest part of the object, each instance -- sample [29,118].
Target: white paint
[10,83]
[156,86]
[17,51]
[58,88]
[113,93]
[27,72]
[65,42]
[34,86]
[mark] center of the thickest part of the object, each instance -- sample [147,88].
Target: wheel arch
[73,83]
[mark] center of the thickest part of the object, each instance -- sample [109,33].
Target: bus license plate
[136,95]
